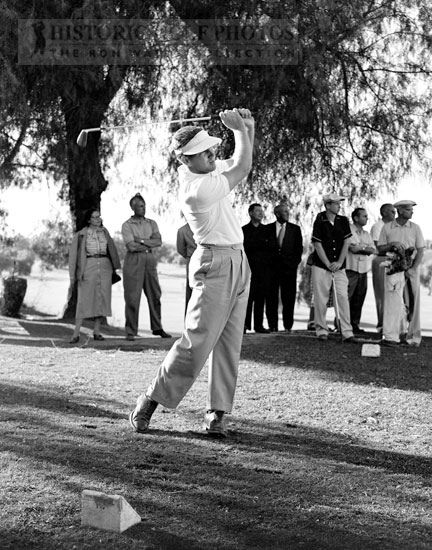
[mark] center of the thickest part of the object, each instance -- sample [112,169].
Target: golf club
[336,306]
[83,135]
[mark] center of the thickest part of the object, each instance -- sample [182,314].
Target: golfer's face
[203,163]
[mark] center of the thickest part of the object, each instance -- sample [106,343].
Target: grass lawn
[327,450]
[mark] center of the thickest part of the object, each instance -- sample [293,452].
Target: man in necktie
[286,247]
[281,235]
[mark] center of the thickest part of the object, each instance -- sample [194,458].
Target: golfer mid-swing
[218,273]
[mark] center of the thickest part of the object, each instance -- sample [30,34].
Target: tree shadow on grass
[56,333]
[45,398]
[267,486]
[403,368]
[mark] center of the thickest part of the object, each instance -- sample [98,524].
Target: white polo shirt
[205,205]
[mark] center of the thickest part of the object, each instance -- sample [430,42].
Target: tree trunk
[84,106]
[14,292]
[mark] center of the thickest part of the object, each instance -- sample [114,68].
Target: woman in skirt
[92,260]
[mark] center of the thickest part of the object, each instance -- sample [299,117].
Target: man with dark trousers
[141,235]
[286,248]
[257,251]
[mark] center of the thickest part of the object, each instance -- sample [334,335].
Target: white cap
[401,204]
[199,143]
[332,197]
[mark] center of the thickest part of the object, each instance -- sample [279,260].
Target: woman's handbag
[115,278]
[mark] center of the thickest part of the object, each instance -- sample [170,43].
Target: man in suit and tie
[286,246]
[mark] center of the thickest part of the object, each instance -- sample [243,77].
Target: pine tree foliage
[352,114]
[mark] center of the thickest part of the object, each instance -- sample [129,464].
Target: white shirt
[205,205]
[408,234]
[359,262]
[376,230]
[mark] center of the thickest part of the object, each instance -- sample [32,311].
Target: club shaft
[179,120]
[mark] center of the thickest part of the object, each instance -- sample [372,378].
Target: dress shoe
[130,337]
[262,330]
[403,338]
[214,424]
[390,343]
[161,333]
[140,417]
[323,337]
[273,329]
[74,340]
[350,340]
[358,330]
[98,337]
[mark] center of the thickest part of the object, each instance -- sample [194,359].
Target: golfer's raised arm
[241,122]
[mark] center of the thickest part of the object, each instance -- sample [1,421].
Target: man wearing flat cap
[402,289]
[331,238]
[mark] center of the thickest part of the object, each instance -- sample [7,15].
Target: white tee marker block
[108,512]
[371,350]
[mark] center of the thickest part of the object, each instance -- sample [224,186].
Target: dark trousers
[140,274]
[188,293]
[256,300]
[357,288]
[285,282]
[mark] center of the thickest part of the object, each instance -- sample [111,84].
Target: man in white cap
[402,289]
[219,275]
[387,212]
[331,238]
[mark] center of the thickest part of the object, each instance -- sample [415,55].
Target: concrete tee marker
[108,512]
[371,350]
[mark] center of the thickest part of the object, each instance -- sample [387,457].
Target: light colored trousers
[402,307]
[214,323]
[322,281]
[378,280]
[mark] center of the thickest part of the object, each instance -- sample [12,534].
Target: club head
[82,138]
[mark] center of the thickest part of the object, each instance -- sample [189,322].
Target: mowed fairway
[327,449]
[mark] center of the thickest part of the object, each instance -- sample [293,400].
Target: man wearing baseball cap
[402,287]
[331,238]
[219,276]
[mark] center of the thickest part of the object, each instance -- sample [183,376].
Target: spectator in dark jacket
[257,251]
[286,247]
